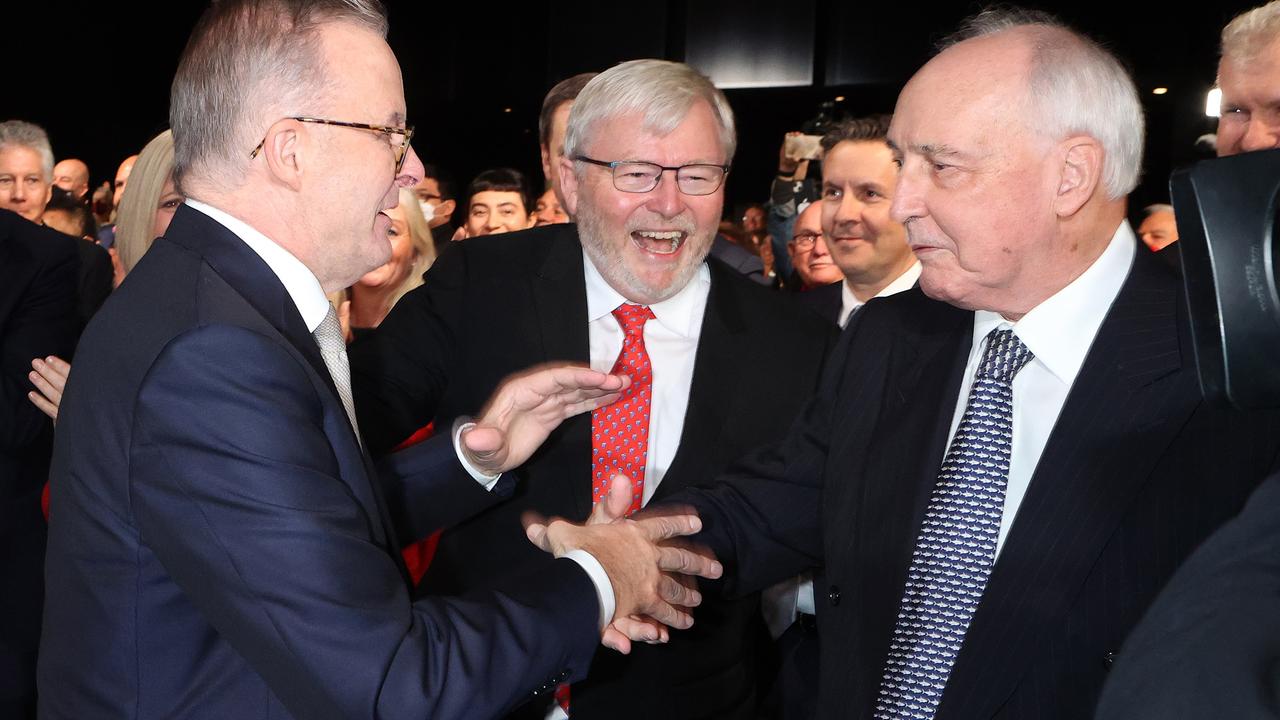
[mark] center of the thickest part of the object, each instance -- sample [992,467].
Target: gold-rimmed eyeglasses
[400,146]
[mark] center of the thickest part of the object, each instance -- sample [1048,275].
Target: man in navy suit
[221,545]
[1003,466]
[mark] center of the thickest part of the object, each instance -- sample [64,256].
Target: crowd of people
[313,430]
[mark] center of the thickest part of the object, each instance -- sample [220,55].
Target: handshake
[651,572]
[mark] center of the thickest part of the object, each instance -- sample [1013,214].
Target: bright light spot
[839,98]
[506,110]
[1213,104]
[1160,91]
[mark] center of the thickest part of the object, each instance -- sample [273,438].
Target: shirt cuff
[599,578]
[486,480]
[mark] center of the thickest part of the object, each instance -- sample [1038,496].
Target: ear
[447,207]
[569,186]
[546,161]
[1080,176]
[284,151]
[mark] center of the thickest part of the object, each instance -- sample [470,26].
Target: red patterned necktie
[620,431]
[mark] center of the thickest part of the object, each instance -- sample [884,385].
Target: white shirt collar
[1060,330]
[298,280]
[849,302]
[678,313]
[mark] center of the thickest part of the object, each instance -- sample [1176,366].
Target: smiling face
[646,245]
[814,265]
[547,210]
[403,254]
[857,188]
[976,186]
[356,178]
[491,212]
[1250,117]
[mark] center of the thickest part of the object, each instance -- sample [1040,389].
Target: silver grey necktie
[333,348]
[956,546]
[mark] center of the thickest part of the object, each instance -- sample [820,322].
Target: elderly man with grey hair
[629,288]
[26,169]
[1249,77]
[1004,465]
[223,546]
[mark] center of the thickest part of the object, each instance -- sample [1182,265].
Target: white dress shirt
[671,339]
[849,302]
[304,288]
[1059,332]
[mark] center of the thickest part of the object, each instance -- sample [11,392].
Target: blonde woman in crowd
[147,205]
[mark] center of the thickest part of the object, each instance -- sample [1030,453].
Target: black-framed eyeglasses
[805,241]
[400,146]
[641,177]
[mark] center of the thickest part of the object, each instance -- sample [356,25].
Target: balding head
[1018,143]
[72,175]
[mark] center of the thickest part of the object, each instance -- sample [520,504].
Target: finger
[618,498]
[55,370]
[670,615]
[615,640]
[535,528]
[482,441]
[689,562]
[46,388]
[44,405]
[659,526]
[639,627]
[676,593]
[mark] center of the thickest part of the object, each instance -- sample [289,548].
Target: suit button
[1109,660]
[833,595]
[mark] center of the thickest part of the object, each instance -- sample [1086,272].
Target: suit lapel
[560,309]
[241,268]
[1130,398]
[716,383]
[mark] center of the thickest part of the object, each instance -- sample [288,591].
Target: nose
[666,199]
[819,248]
[412,171]
[908,196]
[18,191]
[1260,135]
[849,210]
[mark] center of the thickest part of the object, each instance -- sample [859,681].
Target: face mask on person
[428,210]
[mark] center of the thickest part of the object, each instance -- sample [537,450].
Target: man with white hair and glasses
[719,365]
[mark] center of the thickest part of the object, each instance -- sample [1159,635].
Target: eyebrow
[927,149]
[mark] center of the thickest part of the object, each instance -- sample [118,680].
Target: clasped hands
[651,572]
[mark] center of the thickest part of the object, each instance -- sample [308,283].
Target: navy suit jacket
[1138,470]
[220,545]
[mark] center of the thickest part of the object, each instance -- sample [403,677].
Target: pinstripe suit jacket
[1138,470]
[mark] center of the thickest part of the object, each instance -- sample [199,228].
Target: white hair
[31,136]
[1150,210]
[664,91]
[1250,32]
[1076,87]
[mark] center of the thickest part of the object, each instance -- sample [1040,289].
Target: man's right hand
[649,574]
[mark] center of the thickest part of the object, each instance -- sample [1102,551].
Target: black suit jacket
[1209,644]
[494,305]
[37,319]
[95,278]
[825,300]
[1136,473]
[221,546]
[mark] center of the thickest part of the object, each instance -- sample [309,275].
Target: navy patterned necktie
[957,542]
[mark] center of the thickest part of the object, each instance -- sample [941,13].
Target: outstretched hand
[527,406]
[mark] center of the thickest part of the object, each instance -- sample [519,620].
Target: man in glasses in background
[224,547]
[646,151]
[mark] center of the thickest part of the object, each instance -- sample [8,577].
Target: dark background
[96,76]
